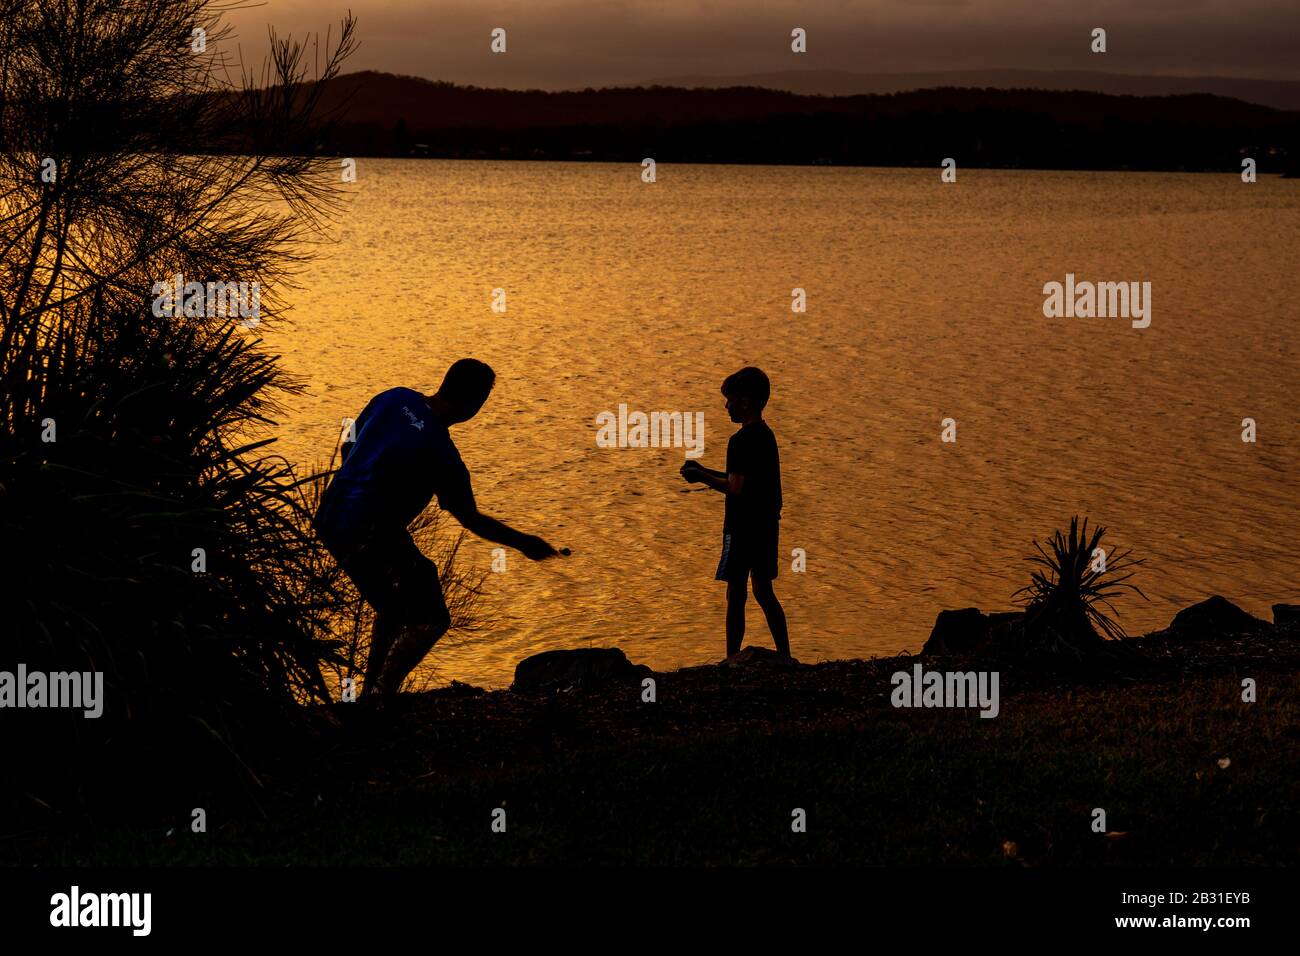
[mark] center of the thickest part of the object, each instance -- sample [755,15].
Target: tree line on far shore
[379,114]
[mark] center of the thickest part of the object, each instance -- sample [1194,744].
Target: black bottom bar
[379,905]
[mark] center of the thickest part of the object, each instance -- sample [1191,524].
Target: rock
[958,632]
[1216,615]
[748,656]
[582,667]
[1286,613]
[969,630]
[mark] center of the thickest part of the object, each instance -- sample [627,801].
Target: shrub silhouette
[1063,601]
[158,463]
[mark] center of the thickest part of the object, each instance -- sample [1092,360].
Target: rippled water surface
[924,303]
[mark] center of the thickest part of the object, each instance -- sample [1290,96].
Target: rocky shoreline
[591,767]
[567,699]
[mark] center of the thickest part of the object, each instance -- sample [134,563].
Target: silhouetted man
[401,457]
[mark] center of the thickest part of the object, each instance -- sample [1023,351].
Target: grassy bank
[1186,771]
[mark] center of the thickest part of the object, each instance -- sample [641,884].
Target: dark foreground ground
[711,772]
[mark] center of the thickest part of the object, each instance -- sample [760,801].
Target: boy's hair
[467,383]
[748,383]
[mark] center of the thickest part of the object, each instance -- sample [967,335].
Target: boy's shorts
[392,574]
[749,552]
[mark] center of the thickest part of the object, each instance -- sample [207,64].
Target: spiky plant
[152,539]
[1066,595]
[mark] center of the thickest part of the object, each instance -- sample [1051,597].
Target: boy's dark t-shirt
[751,452]
[401,458]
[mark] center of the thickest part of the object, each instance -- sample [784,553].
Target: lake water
[924,302]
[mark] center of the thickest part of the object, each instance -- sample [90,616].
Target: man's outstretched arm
[498,532]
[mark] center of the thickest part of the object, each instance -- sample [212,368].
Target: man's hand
[692,471]
[535,548]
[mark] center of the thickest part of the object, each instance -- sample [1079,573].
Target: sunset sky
[574,43]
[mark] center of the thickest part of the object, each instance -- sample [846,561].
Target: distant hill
[1280,94]
[373,114]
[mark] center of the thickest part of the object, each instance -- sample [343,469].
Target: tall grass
[155,538]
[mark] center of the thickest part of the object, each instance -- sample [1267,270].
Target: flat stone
[581,667]
[958,632]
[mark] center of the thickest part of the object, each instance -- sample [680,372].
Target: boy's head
[466,387]
[746,392]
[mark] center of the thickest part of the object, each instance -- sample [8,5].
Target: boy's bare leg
[408,650]
[735,616]
[381,641]
[774,613]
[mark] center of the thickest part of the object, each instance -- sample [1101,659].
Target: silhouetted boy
[751,523]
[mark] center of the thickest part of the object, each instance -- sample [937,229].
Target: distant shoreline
[377,114]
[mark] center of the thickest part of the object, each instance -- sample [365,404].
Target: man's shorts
[391,573]
[749,552]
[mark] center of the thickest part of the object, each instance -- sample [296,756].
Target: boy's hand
[692,471]
[535,548]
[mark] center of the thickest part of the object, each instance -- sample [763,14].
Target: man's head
[746,392]
[465,388]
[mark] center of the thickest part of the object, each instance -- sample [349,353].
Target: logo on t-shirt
[415,420]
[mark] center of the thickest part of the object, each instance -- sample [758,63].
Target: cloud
[566,43]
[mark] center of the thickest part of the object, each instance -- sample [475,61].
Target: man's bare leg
[382,636]
[408,650]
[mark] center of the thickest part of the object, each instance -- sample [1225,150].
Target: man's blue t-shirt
[401,458]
